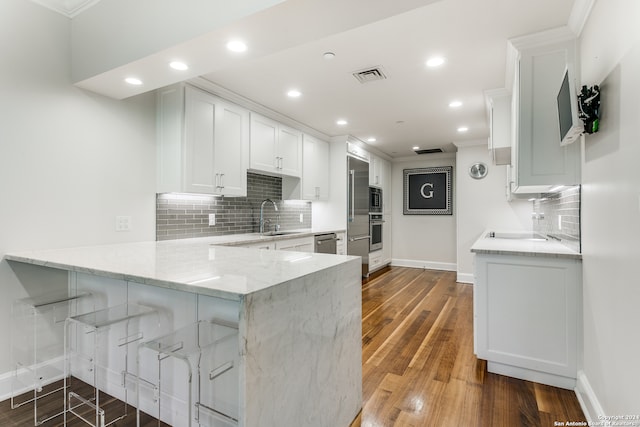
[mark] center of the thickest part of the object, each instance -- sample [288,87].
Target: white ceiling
[410,107]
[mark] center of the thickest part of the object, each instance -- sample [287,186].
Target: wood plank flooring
[418,363]
[419,369]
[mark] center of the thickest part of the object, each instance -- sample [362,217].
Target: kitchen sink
[280,233]
[526,235]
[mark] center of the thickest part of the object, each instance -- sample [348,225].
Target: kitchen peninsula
[298,315]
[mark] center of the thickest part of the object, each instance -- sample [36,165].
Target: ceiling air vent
[429,151]
[370,75]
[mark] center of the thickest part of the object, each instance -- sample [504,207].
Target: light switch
[212,219]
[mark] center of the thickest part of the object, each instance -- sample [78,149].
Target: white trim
[579,15]
[419,157]
[473,142]
[587,399]
[215,89]
[543,38]
[430,265]
[68,8]
[465,278]
[532,375]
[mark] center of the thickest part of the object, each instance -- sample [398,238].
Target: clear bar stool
[203,390]
[37,348]
[98,376]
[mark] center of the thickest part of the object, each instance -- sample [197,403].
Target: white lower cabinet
[526,316]
[301,244]
[375,260]
[261,245]
[341,247]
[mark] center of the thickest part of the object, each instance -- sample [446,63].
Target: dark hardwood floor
[418,364]
[419,368]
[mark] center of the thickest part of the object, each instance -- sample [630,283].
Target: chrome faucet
[262,220]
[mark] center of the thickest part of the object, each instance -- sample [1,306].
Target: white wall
[422,241]
[70,161]
[610,52]
[482,204]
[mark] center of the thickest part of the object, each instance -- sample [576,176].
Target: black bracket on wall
[589,103]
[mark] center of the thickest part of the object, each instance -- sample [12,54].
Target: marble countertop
[195,265]
[524,247]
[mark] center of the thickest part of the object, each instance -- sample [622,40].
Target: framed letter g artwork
[428,191]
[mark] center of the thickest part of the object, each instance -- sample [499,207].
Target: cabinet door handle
[217,180]
[221,180]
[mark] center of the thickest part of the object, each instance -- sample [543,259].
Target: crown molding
[579,15]
[68,8]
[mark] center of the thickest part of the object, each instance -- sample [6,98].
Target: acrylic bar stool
[98,370]
[203,390]
[37,348]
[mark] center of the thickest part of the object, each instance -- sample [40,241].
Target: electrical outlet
[123,223]
[212,219]
[301,217]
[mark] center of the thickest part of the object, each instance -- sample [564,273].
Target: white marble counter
[191,265]
[524,247]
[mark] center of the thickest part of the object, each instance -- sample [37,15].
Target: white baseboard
[588,400]
[446,266]
[465,278]
[5,386]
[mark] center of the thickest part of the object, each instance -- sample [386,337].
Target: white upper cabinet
[315,168]
[203,143]
[538,160]
[275,148]
[499,108]
[375,170]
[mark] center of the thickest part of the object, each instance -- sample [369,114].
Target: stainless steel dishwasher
[325,243]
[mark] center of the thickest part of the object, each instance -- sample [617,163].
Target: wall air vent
[369,75]
[429,151]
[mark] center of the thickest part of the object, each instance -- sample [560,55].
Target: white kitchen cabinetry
[499,108]
[386,240]
[375,261]
[315,169]
[261,245]
[526,316]
[538,160]
[275,148]
[341,247]
[301,244]
[203,143]
[377,170]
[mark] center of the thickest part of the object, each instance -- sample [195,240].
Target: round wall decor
[478,170]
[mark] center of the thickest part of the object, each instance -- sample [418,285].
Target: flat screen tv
[570,124]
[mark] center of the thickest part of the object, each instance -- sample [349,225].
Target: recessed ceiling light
[455,104]
[416,148]
[463,129]
[237,46]
[177,65]
[372,139]
[133,81]
[293,93]
[328,55]
[341,122]
[435,61]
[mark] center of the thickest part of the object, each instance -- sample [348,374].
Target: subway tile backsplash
[181,216]
[561,216]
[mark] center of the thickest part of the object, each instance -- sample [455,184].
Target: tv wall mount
[589,108]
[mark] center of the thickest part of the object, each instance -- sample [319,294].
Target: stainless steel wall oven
[375,231]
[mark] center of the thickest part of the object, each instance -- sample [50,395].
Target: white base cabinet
[527,316]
